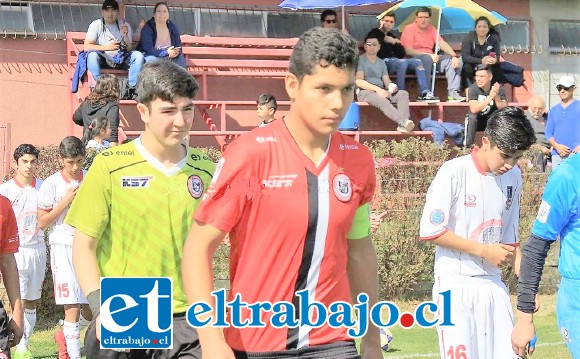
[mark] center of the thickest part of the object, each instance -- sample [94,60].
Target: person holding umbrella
[419,40]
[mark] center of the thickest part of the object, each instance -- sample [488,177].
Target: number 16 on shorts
[136,313]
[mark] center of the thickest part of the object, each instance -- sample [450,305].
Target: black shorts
[185,345]
[337,350]
[4,340]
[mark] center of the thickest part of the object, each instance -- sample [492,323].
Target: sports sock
[72,336]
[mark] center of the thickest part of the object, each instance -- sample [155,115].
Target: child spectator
[22,191]
[102,101]
[266,108]
[99,129]
[54,199]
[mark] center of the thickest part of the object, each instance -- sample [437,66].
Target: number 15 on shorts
[136,313]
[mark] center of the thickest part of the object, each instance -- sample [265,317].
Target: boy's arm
[10,278]
[46,218]
[196,266]
[364,84]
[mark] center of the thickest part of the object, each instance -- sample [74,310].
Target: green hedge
[405,263]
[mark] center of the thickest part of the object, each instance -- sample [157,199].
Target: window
[359,25]
[564,36]
[16,18]
[235,23]
[291,24]
[515,33]
[56,19]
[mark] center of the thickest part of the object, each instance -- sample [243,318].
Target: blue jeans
[180,59]
[95,62]
[401,66]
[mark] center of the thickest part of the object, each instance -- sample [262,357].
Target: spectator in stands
[266,108]
[102,101]
[537,116]
[160,37]
[563,127]
[110,41]
[393,52]
[484,100]
[328,19]
[96,136]
[419,40]
[480,46]
[375,86]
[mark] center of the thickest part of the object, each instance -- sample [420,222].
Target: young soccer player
[22,191]
[294,197]
[266,108]
[54,199]
[558,216]
[11,330]
[128,232]
[472,216]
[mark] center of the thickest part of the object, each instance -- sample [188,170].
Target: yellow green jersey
[140,212]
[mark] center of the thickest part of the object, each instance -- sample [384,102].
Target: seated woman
[102,101]
[481,46]
[160,37]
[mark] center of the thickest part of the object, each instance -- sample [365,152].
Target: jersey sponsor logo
[196,157]
[135,182]
[470,200]
[118,153]
[343,147]
[282,181]
[543,212]
[510,196]
[261,139]
[195,186]
[136,313]
[342,187]
[212,186]
[437,217]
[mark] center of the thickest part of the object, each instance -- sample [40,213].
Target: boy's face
[320,100]
[26,166]
[72,166]
[372,47]
[483,78]
[264,112]
[497,161]
[167,122]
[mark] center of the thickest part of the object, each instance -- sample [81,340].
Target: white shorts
[66,287]
[31,263]
[482,313]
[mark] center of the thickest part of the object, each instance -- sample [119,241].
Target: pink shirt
[419,40]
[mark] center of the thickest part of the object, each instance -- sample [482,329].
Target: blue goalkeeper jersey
[559,215]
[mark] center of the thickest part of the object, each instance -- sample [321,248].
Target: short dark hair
[161,3]
[423,9]
[510,130]
[483,67]
[25,149]
[323,47]
[266,99]
[71,147]
[375,35]
[392,14]
[164,80]
[325,13]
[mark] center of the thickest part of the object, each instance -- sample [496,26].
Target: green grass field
[407,343]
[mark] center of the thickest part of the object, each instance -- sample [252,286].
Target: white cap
[567,81]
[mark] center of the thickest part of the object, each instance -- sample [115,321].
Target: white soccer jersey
[24,201]
[474,205]
[50,194]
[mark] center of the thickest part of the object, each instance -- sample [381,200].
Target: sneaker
[427,97]
[61,344]
[455,97]
[407,126]
[22,354]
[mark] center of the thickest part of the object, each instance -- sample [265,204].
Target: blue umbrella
[328,4]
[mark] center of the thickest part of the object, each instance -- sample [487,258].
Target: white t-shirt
[103,35]
[50,194]
[474,205]
[25,205]
[99,146]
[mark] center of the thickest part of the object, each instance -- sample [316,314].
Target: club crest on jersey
[195,186]
[342,187]
[470,200]
[509,195]
[437,217]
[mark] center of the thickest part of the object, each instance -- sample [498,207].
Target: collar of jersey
[176,168]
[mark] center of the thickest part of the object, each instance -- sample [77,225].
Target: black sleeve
[113,116]
[466,53]
[495,44]
[533,259]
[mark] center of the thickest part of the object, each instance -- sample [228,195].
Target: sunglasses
[372,44]
[330,21]
[560,88]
